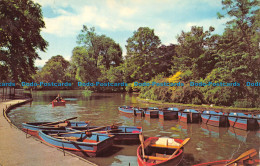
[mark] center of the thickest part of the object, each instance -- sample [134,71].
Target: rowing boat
[158,151]
[248,158]
[152,112]
[60,103]
[121,133]
[215,118]
[34,127]
[243,121]
[91,145]
[170,113]
[189,116]
[132,110]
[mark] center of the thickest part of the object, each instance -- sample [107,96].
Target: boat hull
[55,103]
[131,110]
[34,128]
[189,116]
[152,114]
[219,120]
[96,145]
[246,123]
[168,114]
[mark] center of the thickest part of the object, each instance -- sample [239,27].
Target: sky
[118,19]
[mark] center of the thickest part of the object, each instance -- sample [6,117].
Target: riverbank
[17,148]
[200,107]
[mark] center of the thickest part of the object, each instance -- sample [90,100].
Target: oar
[141,137]
[80,131]
[47,124]
[181,145]
[247,153]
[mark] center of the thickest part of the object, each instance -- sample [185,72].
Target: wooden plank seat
[164,146]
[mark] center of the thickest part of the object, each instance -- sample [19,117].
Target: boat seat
[166,143]
[164,146]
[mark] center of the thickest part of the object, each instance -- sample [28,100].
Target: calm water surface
[207,143]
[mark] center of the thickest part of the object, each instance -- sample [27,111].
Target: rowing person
[58,98]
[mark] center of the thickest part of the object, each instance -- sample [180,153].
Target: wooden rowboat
[189,116]
[56,103]
[243,121]
[158,151]
[215,118]
[170,113]
[152,112]
[248,158]
[121,133]
[91,145]
[132,110]
[34,127]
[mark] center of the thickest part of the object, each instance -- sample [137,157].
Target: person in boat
[58,98]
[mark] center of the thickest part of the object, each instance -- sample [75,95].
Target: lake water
[207,143]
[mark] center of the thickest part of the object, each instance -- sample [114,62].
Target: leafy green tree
[102,49]
[196,52]
[20,25]
[84,66]
[141,49]
[53,71]
[239,46]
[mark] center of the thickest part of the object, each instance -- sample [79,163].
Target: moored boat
[121,133]
[132,110]
[152,112]
[34,127]
[215,118]
[58,103]
[160,151]
[189,116]
[243,121]
[170,113]
[92,145]
[247,158]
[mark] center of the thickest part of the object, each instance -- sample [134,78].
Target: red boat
[247,158]
[160,151]
[56,103]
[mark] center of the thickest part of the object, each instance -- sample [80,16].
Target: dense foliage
[20,25]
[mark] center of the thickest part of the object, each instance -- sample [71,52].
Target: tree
[20,25]
[141,48]
[102,49]
[84,65]
[239,46]
[53,71]
[195,52]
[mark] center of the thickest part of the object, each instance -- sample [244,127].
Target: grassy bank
[201,107]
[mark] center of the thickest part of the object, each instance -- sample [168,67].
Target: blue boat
[152,112]
[91,145]
[132,110]
[121,133]
[170,113]
[34,127]
[189,116]
[243,121]
[215,118]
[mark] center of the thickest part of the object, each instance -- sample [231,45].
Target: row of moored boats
[215,118]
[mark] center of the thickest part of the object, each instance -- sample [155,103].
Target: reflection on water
[208,143]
